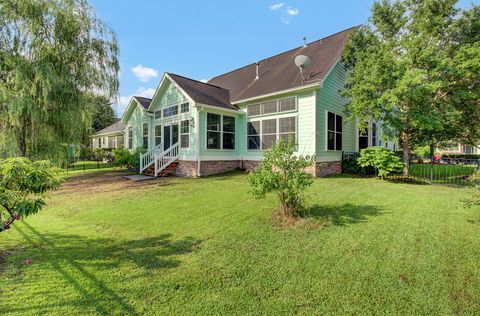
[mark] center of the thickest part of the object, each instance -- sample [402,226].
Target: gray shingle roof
[203,92]
[279,72]
[145,102]
[118,126]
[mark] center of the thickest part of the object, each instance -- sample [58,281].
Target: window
[253,135]
[184,107]
[130,137]
[145,135]
[269,132]
[228,127]
[362,139]
[170,111]
[184,134]
[334,131]
[272,107]
[220,131]
[374,134]
[158,135]
[158,114]
[286,128]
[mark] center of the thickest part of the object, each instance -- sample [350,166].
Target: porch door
[170,135]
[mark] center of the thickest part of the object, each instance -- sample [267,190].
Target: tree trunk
[406,151]
[22,137]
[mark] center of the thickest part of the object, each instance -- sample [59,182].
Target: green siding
[136,120]
[329,99]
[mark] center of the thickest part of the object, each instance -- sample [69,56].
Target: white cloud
[276,6]
[292,11]
[124,100]
[144,73]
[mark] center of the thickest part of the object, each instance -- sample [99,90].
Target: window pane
[331,121]
[145,142]
[253,110]
[174,133]
[184,141]
[213,140]
[362,142]
[268,141]
[184,107]
[287,105]
[286,125]
[253,142]
[286,137]
[228,141]
[269,107]
[338,142]
[253,128]
[331,141]
[184,128]
[158,130]
[145,129]
[269,126]
[213,122]
[158,114]
[339,121]
[229,124]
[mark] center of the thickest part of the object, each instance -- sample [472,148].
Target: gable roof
[280,73]
[118,126]
[204,93]
[145,102]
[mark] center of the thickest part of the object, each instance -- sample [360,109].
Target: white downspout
[197,141]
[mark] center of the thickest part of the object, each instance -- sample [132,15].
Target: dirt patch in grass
[279,220]
[105,182]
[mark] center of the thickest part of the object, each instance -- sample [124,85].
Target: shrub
[23,187]
[99,154]
[283,173]
[124,158]
[383,160]
[86,153]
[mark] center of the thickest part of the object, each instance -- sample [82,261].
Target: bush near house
[122,157]
[382,159]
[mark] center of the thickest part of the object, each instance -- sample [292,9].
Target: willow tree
[405,68]
[53,53]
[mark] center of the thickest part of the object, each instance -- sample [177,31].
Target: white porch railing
[148,158]
[164,159]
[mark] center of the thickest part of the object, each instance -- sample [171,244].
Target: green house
[229,121]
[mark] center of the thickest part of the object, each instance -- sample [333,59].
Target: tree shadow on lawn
[77,254]
[340,215]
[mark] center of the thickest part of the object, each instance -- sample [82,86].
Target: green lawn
[203,246]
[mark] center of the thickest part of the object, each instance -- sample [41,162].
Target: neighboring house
[227,123]
[459,149]
[109,137]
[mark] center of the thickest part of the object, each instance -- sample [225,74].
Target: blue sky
[202,39]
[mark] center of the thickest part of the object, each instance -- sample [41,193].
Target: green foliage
[103,114]
[283,173]
[415,67]
[124,158]
[383,160]
[23,187]
[54,54]
[462,156]
[86,153]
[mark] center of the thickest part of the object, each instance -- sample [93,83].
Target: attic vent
[304,41]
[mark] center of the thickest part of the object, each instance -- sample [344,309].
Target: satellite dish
[303,61]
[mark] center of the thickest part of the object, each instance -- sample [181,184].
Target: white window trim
[278,104]
[155,134]
[129,139]
[277,134]
[180,133]
[326,131]
[221,132]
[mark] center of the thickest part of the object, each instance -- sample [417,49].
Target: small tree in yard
[381,159]
[283,173]
[23,188]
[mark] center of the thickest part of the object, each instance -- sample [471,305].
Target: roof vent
[257,66]
[304,41]
[302,62]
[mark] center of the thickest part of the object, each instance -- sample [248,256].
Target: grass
[203,246]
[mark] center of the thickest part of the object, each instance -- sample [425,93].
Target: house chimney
[304,41]
[257,66]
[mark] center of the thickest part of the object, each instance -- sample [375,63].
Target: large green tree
[103,114]
[53,54]
[413,67]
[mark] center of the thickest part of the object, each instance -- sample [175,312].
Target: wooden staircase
[160,164]
[168,171]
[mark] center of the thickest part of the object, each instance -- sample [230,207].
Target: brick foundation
[189,168]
